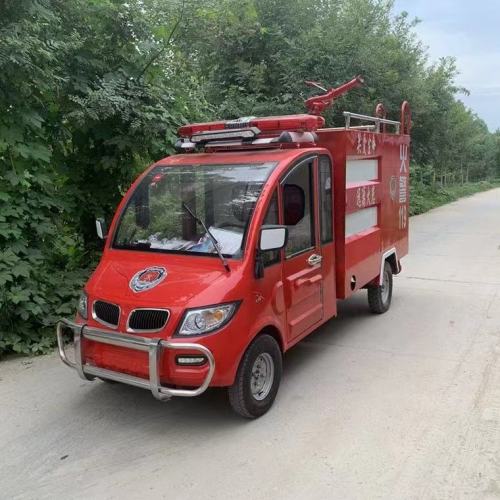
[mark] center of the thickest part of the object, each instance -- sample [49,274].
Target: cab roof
[244,156]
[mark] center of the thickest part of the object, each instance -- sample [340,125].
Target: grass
[424,197]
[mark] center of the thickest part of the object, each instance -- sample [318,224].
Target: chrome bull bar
[153,346]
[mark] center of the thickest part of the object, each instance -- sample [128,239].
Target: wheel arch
[268,326]
[390,256]
[274,332]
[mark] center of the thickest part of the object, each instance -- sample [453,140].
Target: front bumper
[153,346]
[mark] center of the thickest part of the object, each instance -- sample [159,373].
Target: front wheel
[379,297]
[258,378]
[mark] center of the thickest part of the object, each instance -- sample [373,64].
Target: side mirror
[101,228]
[272,238]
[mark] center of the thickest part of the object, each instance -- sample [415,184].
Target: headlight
[207,319]
[82,305]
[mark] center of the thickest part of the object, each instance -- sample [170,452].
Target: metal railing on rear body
[373,119]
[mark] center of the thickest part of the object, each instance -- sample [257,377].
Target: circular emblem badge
[147,278]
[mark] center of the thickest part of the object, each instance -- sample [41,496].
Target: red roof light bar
[267,125]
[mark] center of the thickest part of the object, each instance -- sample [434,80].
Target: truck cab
[220,258]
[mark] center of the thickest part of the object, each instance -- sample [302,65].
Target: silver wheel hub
[262,376]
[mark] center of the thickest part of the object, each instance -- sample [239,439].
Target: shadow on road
[130,407]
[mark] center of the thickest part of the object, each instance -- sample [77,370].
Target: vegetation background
[92,91]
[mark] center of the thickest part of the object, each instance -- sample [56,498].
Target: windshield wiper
[210,235]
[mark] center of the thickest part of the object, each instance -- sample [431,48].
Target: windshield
[170,207]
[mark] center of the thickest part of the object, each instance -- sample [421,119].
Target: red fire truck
[221,258]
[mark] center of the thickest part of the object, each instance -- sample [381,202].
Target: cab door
[302,265]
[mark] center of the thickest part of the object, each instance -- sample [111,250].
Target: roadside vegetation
[92,91]
[424,198]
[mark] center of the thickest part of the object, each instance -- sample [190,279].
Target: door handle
[314,259]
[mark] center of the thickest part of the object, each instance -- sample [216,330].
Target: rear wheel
[258,378]
[379,297]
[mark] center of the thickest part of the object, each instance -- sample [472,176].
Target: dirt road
[403,405]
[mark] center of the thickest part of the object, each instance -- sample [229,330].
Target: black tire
[241,394]
[379,297]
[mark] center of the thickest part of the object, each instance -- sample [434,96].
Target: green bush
[42,265]
[425,197]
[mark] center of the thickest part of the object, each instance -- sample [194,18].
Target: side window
[325,199]
[298,211]
[273,256]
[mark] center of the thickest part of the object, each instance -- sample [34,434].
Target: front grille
[147,320]
[106,313]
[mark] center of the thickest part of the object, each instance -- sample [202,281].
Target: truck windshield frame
[224,196]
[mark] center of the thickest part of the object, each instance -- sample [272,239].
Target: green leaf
[21,269]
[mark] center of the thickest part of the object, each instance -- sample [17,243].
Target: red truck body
[340,195]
